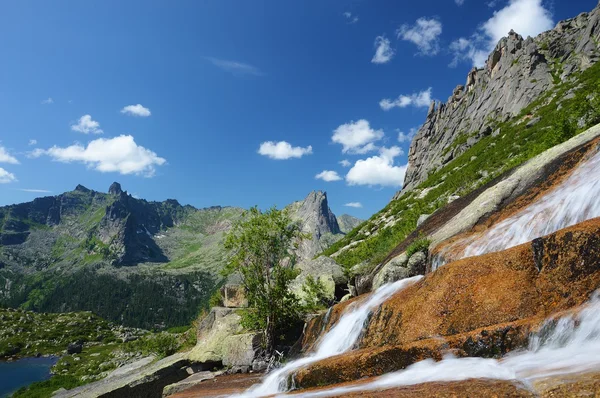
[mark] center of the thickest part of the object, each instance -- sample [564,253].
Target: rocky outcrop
[318,221]
[479,306]
[324,269]
[516,72]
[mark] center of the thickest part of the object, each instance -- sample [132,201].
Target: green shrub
[315,296]
[419,245]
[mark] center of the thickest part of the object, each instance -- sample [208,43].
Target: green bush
[419,245]
[315,296]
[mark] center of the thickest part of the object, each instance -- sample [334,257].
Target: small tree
[262,249]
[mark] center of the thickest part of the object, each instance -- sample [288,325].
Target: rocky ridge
[516,73]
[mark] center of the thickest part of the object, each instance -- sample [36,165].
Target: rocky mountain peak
[318,217]
[115,189]
[81,188]
[515,74]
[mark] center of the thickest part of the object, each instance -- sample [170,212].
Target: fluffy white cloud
[526,17]
[345,163]
[383,52]
[6,157]
[283,150]
[48,101]
[420,99]
[234,67]
[86,125]
[350,18]
[357,137]
[424,34]
[357,205]
[136,110]
[328,175]
[120,154]
[6,177]
[406,137]
[32,142]
[378,170]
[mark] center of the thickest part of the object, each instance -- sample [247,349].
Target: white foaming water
[573,201]
[568,345]
[341,338]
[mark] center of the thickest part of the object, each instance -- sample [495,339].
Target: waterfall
[567,345]
[573,201]
[341,338]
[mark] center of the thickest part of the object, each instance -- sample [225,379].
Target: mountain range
[140,263]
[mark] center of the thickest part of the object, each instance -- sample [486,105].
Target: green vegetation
[261,247]
[560,119]
[315,297]
[154,301]
[419,245]
[26,333]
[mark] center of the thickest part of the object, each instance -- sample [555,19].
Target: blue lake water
[17,374]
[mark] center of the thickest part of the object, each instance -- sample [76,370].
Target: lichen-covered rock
[241,350]
[394,270]
[323,268]
[212,334]
[417,263]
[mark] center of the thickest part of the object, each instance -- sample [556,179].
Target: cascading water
[568,345]
[573,201]
[341,338]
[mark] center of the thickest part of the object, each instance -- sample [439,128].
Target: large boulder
[323,268]
[219,324]
[392,271]
[241,350]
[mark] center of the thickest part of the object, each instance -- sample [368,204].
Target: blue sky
[201,100]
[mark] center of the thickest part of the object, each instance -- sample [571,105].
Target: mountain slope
[516,73]
[569,105]
[140,263]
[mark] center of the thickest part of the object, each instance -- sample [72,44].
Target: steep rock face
[515,74]
[317,220]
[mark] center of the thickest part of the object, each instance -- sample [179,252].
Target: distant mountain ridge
[142,263]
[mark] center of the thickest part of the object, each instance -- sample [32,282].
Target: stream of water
[568,345]
[339,339]
[573,201]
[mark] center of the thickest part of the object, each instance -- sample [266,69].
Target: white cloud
[357,205]
[136,110]
[32,142]
[86,125]
[48,101]
[120,154]
[352,19]
[6,177]
[424,34]
[234,67]
[406,137]
[357,137]
[420,99]
[35,190]
[6,157]
[459,2]
[526,17]
[383,52]
[283,150]
[328,175]
[345,163]
[378,170]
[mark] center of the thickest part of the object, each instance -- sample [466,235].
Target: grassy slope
[487,159]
